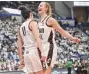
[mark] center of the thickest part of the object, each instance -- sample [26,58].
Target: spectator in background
[83,66]
[79,69]
[69,65]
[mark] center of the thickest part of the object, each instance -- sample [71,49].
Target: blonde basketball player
[47,25]
[28,37]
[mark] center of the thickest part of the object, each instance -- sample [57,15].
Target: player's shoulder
[51,19]
[23,24]
[33,21]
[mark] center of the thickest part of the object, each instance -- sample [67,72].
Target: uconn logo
[41,30]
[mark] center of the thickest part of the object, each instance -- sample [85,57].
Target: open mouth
[39,10]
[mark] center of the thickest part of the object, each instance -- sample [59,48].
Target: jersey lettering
[41,36]
[24,30]
[41,31]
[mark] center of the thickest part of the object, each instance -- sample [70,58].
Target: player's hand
[76,40]
[43,58]
[21,65]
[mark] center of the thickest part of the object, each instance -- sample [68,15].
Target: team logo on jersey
[41,30]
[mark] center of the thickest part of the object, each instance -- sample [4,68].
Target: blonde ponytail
[49,11]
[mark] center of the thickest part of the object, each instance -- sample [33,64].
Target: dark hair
[25,11]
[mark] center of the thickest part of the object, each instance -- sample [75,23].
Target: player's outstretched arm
[52,22]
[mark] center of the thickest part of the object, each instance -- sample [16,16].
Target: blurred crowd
[8,43]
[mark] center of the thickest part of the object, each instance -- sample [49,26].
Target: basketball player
[47,25]
[28,37]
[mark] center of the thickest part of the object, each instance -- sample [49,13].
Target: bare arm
[20,44]
[33,26]
[64,33]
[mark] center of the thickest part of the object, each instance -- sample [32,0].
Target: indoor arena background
[74,19]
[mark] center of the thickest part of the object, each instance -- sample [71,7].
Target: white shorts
[32,61]
[52,55]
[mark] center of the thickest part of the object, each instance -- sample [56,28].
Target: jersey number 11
[24,30]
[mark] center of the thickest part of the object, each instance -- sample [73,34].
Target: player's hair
[49,10]
[25,11]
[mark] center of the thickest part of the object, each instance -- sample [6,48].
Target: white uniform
[31,56]
[47,34]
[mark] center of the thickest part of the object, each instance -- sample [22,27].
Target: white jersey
[47,35]
[31,56]
[46,32]
[27,36]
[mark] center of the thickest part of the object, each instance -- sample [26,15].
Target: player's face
[42,8]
